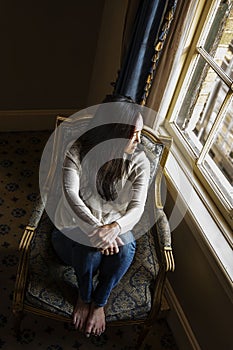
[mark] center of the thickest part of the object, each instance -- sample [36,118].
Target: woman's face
[136,138]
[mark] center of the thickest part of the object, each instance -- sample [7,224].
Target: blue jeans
[87,261]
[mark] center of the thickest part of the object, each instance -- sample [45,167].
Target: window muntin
[203,114]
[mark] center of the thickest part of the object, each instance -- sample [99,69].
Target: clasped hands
[106,238]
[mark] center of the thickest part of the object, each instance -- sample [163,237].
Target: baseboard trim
[183,332]
[31,120]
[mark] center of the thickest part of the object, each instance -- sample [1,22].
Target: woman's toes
[76,323]
[89,329]
[93,331]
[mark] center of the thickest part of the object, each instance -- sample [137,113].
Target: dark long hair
[103,145]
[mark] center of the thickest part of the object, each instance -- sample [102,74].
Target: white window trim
[201,209]
[220,200]
[195,204]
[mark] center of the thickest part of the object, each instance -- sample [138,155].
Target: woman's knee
[127,250]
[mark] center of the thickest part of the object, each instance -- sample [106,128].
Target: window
[201,120]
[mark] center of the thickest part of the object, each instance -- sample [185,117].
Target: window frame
[201,23]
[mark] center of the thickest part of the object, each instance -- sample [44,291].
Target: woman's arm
[140,180]
[71,184]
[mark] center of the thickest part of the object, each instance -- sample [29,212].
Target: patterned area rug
[19,161]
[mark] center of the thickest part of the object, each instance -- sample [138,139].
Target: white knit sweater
[78,207]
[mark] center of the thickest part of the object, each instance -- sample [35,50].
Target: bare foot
[96,321]
[80,314]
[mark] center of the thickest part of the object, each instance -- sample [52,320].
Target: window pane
[209,102]
[224,40]
[201,104]
[220,33]
[193,103]
[222,148]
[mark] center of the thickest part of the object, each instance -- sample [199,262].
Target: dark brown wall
[47,52]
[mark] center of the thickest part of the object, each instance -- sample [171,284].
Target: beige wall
[203,298]
[47,52]
[109,49]
[56,56]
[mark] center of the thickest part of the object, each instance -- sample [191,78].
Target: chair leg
[18,316]
[142,336]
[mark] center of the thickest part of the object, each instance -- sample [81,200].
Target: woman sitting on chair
[105,181]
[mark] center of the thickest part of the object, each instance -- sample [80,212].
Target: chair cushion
[52,286]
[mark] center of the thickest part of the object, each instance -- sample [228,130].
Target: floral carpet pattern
[20,154]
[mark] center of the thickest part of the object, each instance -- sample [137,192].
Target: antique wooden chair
[46,287]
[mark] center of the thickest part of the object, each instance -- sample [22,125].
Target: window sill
[188,194]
